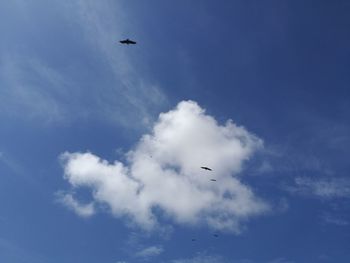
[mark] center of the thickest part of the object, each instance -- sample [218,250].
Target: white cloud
[84,210]
[321,187]
[149,252]
[163,172]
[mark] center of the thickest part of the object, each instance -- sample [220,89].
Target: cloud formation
[201,258]
[281,260]
[163,179]
[54,84]
[323,187]
[84,210]
[334,219]
[149,252]
[205,258]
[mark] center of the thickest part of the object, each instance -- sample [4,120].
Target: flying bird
[193,239]
[206,168]
[127,42]
[213,180]
[215,235]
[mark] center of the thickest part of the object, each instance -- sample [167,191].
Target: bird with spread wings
[127,42]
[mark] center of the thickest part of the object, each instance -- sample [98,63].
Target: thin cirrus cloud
[34,90]
[102,24]
[202,258]
[334,219]
[205,258]
[321,187]
[163,173]
[54,85]
[149,252]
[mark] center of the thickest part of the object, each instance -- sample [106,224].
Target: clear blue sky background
[279,68]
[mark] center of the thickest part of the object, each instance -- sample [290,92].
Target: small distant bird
[127,42]
[213,180]
[193,239]
[216,235]
[206,168]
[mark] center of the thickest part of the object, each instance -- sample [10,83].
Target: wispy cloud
[37,86]
[333,219]
[205,258]
[201,258]
[281,260]
[32,89]
[322,187]
[14,167]
[83,210]
[137,248]
[163,171]
[104,24]
[149,252]
[6,160]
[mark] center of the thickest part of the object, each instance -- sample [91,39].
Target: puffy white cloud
[163,173]
[149,252]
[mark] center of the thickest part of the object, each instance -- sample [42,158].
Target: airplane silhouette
[213,180]
[206,168]
[127,42]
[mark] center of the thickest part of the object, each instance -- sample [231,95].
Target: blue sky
[257,90]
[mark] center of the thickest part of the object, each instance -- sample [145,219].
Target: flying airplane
[206,168]
[213,180]
[127,41]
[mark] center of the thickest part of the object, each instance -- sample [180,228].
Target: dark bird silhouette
[206,168]
[215,235]
[193,239]
[127,42]
[213,180]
